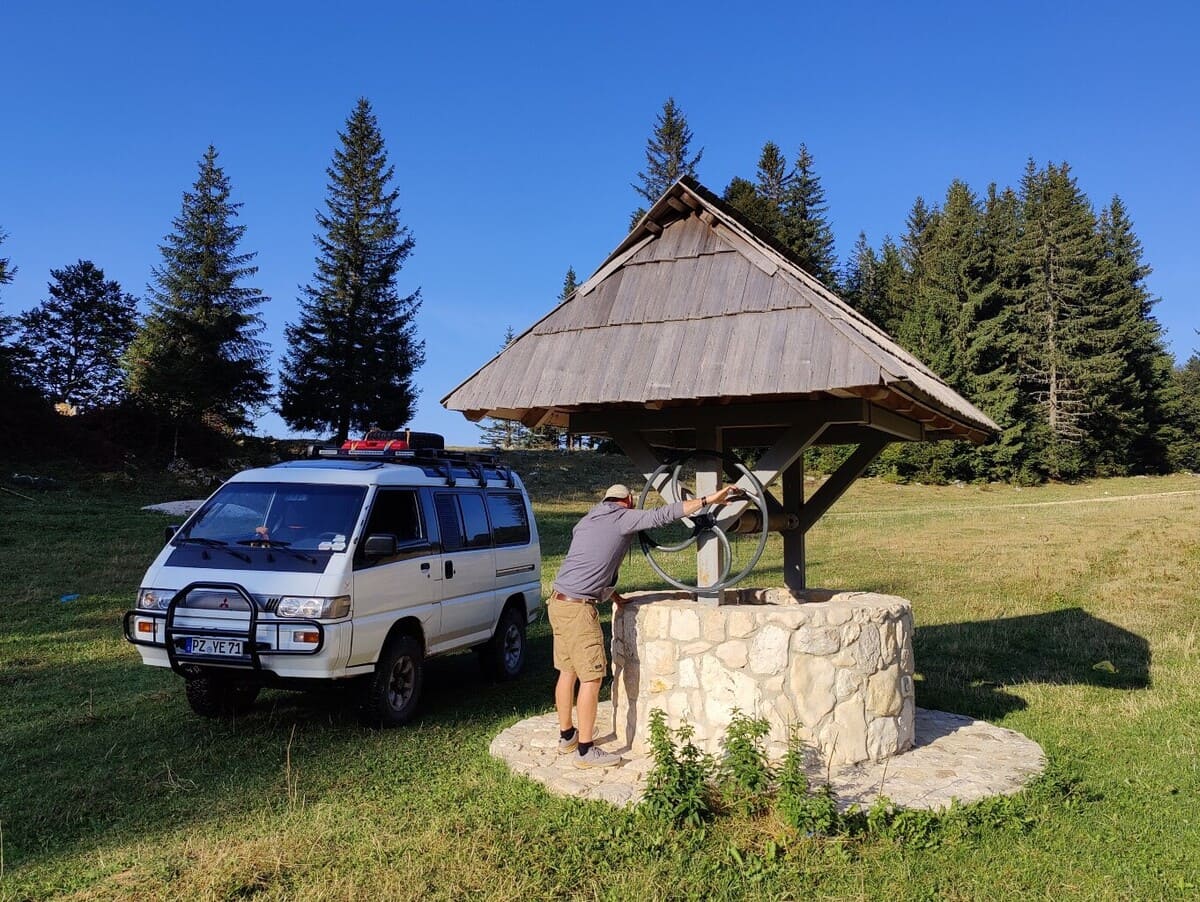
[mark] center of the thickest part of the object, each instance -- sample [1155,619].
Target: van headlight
[155,599]
[317,608]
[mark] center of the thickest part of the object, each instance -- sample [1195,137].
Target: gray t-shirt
[598,543]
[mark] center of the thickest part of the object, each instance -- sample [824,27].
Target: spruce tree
[197,355]
[352,355]
[804,227]
[78,335]
[668,156]
[1131,417]
[860,278]
[8,356]
[1183,405]
[1062,365]
[506,434]
[994,342]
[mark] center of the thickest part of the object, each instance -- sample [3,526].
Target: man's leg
[589,700]
[564,699]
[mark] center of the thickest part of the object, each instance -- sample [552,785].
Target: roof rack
[440,459]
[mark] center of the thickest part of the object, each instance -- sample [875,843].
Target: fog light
[309,636]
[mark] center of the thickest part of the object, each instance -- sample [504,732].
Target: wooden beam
[841,479]
[676,204]
[644,458]
[710,553]
[888,421]
[653,227]
[776,413]
[794,576]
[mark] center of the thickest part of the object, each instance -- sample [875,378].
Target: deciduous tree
[77,336]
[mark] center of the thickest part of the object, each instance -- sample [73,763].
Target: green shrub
[679,786]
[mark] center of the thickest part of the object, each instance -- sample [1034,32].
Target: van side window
[510,523]
[478,534]
[396,513]
[449,521]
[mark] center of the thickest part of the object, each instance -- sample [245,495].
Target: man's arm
[632,521]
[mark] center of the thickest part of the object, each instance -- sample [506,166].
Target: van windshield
[297,516]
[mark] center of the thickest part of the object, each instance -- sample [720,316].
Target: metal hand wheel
[705,521]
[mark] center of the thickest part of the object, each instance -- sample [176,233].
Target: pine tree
[9,368]
[667,156]
[352,355]
[994,342]
[1183,405]
[860,280]
[506,434]
[197,355]
[804,226]
[1060,254]
[77,336]
[570,283]
[1131,416]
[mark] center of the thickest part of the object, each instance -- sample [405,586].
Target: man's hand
[692,505]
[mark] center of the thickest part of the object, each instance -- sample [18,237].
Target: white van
[346,565]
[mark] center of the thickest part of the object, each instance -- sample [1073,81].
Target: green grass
[1051,611]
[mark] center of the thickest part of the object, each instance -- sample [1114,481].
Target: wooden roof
[697,309]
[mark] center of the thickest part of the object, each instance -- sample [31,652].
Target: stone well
[835,666]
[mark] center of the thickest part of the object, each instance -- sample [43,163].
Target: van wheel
[503,657]
[395,688]
[212,696]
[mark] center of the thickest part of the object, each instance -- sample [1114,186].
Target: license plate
[225,647]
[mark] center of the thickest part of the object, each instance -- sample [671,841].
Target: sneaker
[597,757]
[568,745]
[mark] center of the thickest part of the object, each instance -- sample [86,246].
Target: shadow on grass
[969,668]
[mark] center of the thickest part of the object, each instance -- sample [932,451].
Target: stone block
[845,736]
[837,613]
[741,624]
[685,624]
[733,654]
[883,738]
[812,684]
[661,657]
[847,684]
[688,678]
[868,648]
[712,624]
[820,641]
[884,696]
[769,650]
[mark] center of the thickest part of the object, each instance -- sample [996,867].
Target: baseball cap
[617,491]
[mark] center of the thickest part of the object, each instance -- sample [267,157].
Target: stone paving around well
[954,757]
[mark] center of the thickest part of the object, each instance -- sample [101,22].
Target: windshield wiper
[281,545]
[213,543]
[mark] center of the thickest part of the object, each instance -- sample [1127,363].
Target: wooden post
[793,539]
[710,555]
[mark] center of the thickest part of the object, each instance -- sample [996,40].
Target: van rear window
[510,523]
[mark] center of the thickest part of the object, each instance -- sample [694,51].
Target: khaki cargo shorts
[578,639]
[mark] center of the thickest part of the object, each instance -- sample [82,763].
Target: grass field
[1065,612]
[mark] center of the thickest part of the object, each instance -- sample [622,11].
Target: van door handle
[449,569]
[425,567]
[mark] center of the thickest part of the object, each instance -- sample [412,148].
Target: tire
[214,696]
[394,690]
[503,657]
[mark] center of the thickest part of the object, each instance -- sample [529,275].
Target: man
[586,577]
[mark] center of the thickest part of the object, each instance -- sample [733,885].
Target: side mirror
[378,546]
[169,532]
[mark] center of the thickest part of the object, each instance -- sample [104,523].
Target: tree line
[197,355]
[1026,300]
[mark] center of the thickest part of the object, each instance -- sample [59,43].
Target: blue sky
[516,129]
